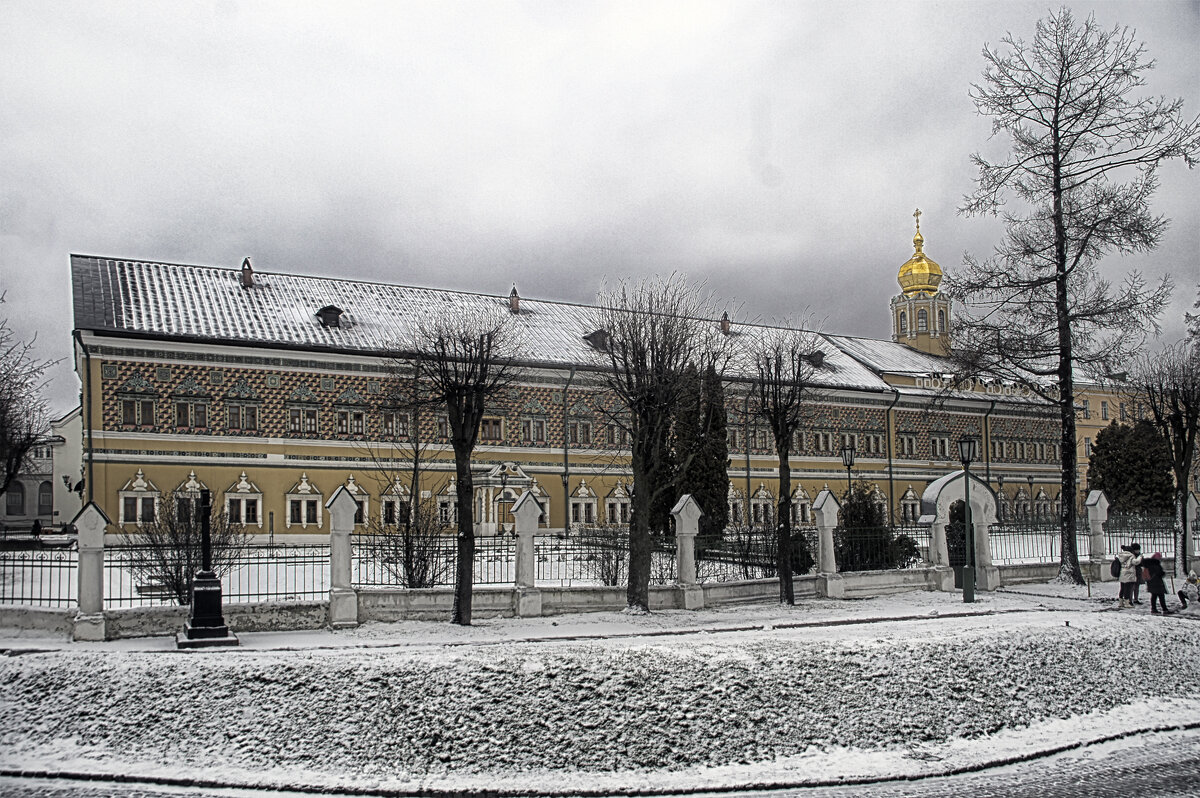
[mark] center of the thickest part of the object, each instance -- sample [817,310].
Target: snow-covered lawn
[608,701]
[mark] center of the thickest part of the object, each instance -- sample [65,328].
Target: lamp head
[968,450]
[848,454]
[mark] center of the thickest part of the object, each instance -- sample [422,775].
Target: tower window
[941,320]
[922,320]
[903,321]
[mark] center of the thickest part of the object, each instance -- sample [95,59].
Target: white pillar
[1097,513]
[343,600]
[687,525]
[89,620]
[527,598]
[983,516]
[825,513]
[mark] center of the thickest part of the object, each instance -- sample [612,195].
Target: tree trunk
[1069,555]
[783,556]
[638,591]
[465,566]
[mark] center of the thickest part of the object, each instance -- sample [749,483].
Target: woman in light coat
[1131,558]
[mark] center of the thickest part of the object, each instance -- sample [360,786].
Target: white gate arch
[935,512]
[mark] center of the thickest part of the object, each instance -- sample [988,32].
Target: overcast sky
[775,150]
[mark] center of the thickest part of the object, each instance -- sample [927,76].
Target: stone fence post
[1097,514]
[686,513]
[343,600]
[825,512]
[528,599]
[89,620]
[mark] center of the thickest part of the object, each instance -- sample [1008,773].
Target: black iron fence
[875,548]
[37,576]
[392,559]
[137,575]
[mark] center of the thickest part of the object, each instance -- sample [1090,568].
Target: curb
[433,792]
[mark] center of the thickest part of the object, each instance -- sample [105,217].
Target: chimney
[247,274]
[725,325]
[514,300]
[330,316]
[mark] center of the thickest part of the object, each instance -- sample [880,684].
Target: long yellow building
[271,389]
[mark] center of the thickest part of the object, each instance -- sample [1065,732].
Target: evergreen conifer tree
[1131,464]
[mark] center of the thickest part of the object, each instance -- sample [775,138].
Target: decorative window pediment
[304,487]
[190,387]
[351,397]
[580,409]
[241,389]
[243,485]
[191,486]
[138,384]
[584,491]
[618,491]
[140,483]
[534,406]
[302,393]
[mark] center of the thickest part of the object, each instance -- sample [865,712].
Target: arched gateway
[938,511]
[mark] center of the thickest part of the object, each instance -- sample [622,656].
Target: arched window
[15,503]
[941,320]
[903,321]
[45,499]
[922,320]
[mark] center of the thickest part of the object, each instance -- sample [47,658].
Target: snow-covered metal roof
[209,304]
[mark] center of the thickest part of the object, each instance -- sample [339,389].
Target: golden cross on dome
[917,216]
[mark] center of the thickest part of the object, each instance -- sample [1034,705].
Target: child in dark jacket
[1155,583]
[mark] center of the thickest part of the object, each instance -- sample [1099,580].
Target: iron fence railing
[874,548]
[38,576]
[138,575]
[1152,533]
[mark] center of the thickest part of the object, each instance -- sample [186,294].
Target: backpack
[1115,568]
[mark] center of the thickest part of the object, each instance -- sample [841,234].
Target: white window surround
[304,491]
[138,488]
[243,491]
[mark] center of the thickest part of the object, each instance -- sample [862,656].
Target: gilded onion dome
[919,274]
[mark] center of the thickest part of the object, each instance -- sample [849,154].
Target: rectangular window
[233,509]
[128,412]
[389,512]
[147,515]
[1121,408]
[360,511]
[733,438]
[939,447]
[130,509]
[1087,409]
[294,420]
[183,415]
[1087,446]
[343,422]
[358,422]
[490,429]
[295,508]
[191,414]
[907,445]
[235,417]
[443,427]
[310,420]
[251,511]
[585,433]
[147,413]
[1104,411]
[310,511]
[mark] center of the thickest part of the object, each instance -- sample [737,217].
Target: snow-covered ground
[908,684]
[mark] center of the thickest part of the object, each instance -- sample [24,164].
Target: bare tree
[165,553]
[408,538]
[646,334]
[784,362]
[24,417]
[465,354]
[1168,383]
[1039,310]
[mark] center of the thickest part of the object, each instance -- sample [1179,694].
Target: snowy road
[1149,766]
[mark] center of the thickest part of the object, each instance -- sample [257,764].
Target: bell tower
[920,315]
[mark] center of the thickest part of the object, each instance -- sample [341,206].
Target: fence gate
[956,540]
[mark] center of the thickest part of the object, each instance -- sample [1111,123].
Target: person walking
[1130,557]
[1155,584]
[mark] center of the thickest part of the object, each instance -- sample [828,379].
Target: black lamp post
[968,452]
[1032,503]
[503,502]
[1000,510]
[206,624]
[848,461]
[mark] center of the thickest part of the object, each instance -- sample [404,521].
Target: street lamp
[1001,510]
[503,496]
[848,461]
[1032,504]
[968,452]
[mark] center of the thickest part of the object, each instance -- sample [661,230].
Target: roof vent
[725,323]
[597,340]
[816,359]
[247,274]
[514,301]
[330,316]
